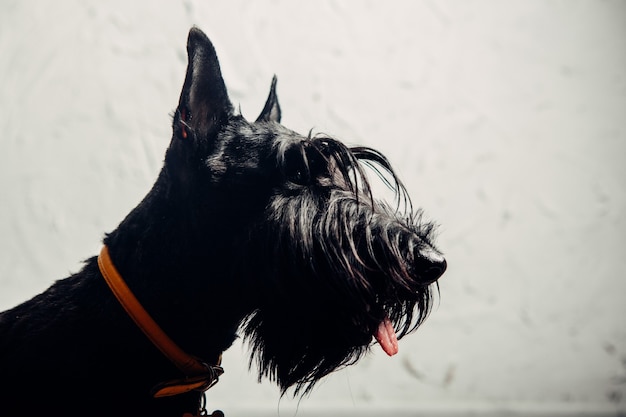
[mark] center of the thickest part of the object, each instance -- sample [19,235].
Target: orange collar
[198,375]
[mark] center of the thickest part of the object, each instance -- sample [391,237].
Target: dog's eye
[297,173]
[303,163]
[294,175]
[296,166]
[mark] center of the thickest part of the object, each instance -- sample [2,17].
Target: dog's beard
[345,269]
[333,291]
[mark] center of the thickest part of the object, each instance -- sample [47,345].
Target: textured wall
[507,121]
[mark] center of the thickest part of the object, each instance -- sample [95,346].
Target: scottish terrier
[249,228]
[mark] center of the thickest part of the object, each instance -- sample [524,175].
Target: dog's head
[327,267]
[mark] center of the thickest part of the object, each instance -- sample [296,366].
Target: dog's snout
[435,271]
[433,265]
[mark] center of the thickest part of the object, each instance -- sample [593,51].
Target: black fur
[250,227]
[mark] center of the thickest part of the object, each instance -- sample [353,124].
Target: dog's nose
[434,271]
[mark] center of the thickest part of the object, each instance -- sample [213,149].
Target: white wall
[507,121]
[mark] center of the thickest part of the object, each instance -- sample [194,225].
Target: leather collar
[199,376]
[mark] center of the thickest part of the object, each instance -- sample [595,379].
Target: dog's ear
[271,110]
[204,102]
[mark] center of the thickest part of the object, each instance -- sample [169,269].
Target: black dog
[249,227]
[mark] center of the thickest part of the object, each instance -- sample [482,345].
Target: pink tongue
[386,336]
